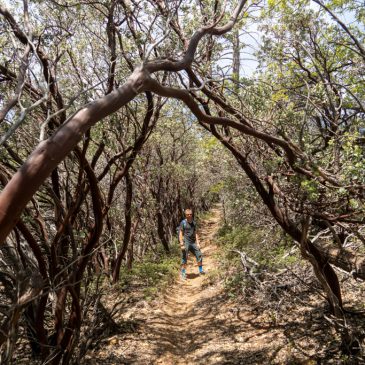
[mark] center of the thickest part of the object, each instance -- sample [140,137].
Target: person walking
[189,241]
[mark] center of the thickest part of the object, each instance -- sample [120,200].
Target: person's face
[189,215]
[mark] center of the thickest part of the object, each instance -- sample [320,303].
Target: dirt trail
[186,315]
[193,323]
[188,326]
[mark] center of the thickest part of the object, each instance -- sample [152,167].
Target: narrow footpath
[194,323]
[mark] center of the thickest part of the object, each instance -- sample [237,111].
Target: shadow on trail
[213,340]
[191,276]
[207,342]
[200,335]
[195,323]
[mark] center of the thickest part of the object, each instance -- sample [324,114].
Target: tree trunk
[161,232]
[127,229]
[236,58]
[49,153]
[345,259]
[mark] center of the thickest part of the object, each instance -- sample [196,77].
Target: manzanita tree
[295,130]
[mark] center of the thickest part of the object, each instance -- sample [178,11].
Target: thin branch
[344,27]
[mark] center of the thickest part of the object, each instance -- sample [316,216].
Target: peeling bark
[52,151]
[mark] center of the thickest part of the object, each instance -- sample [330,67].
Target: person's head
[189,215]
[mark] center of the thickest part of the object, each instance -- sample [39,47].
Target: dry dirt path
[193,323]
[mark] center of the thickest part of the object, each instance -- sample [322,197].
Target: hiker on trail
[189,241]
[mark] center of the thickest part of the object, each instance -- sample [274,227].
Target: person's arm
[181,238]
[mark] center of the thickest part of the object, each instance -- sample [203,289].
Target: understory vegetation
[266,274]
[154,274]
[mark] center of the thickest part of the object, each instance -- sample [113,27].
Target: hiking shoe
[202,272]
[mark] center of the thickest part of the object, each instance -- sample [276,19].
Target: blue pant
[193,248]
